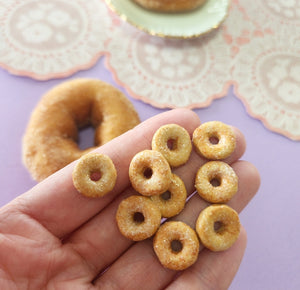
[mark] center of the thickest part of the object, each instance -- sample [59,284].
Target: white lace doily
[50,39]
[257,49]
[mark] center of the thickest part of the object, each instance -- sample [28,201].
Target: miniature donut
[214,140]
[150,173]
[50,140]
[176,245]
[218,227]
[94,175]
[170,5]
[138,218]
[171,202]
[216,182]
[174,142]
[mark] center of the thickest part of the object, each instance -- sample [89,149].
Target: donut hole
[214,139]
[215,179]
[86,137]
[138,217]
[95,175]
[219,227]
[176,246]
[172,144]
[215,182]
[148,173]
[166,195]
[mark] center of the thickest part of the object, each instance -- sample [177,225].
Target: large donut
[218,227]
[50,141]
[170,5]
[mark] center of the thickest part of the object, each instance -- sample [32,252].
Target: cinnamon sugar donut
[138,218]
[218,227]
[214,140]
[94,175]
[174,142]
[170,5]
[150,173]
[173,200]
[50,141]
[176,245]
[216,182]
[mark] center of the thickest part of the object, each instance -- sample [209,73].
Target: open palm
[54,238]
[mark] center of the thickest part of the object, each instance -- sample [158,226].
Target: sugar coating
[161,174]
[215,129]
[132,229]
[50,140]
[176,231]
[88,164]
[175,204]
[223,238]
[182,144]
[222,172]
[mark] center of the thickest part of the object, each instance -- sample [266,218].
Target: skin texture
[63,240]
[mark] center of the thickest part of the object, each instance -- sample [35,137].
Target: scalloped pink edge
[208,102]
[153,103]
[261,118]
[164,105]
[60,75]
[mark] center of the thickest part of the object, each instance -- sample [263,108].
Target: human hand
[54,237]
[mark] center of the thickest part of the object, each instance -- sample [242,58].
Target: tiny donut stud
[173,200]
[216,182]
[138,218]
[176,245]
[174,142]
[150,173]
[218,227]
[214,140]
[94,175]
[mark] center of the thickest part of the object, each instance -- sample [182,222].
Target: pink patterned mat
[257,49]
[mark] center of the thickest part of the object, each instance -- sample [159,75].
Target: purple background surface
[272,258]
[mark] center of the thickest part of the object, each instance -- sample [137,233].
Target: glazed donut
[214,140]
[174,143]
[216,182]
[94,175]
[170,5]
[218,227]
[150,173]
[138,218]
[171,202]
[176,245]
[50,140]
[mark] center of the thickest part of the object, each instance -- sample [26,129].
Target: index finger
[56,204]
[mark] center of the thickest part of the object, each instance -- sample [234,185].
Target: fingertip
[249,183]
[243,238]
[240,147]
[185,118]
[248,173]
